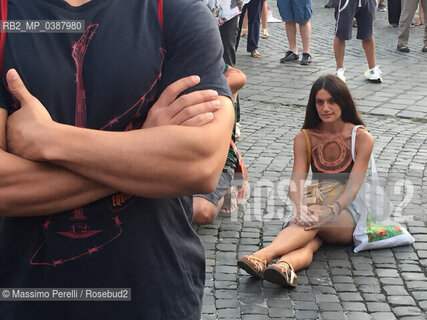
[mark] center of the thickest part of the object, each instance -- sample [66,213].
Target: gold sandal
[255,54]
[252,265]
[264,34]
[281,273]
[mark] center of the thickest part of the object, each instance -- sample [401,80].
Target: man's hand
[193,109]
[26,127]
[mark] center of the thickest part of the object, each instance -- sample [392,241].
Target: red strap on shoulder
[160,12]
[2,32]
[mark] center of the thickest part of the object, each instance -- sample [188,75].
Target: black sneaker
[402,48]
[306,59]
[381,7]
[424,49]
[289,56]
[330,4]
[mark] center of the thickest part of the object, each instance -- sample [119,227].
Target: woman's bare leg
[302,258]
[289,239]
[339,231]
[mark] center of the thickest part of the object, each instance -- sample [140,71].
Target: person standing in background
[295,12]
[253,9]
[409,7]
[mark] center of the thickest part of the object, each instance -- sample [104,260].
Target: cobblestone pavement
[339,284]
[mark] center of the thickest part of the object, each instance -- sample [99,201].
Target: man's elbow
[207,179]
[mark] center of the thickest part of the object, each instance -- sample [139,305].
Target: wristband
[339,207]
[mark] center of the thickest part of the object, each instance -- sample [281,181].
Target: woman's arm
[299,175]
[364,147]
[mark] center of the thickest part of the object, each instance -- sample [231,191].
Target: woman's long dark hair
[341,95]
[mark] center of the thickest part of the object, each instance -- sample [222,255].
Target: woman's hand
[303,217]
[321,215]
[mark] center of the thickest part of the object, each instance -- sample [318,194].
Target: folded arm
[156,162]
[29,188]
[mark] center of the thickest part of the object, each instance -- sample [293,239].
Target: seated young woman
[326,213]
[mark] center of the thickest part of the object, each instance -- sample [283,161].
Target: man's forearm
[30,188]
[157,162]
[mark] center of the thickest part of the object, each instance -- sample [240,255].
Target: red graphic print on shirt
[82,238]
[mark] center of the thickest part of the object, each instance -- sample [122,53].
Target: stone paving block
[366,280]
[251,298]
[416,285]
[350,296]
[354,306]
[409,268]
[387,273]
[253,309]
[226,303]
[406,256]
[363,273]
[401,301]
[305,305]
[383,316]
[409,276]
[377,307]
[255,317]
[281,313]
[208,317]
[226,294]
[406,311]
[347,287]
[365,288]
[208,308]
[284,303]
[306,315]
[420,295]
[358,316]
[333,315]
[342,279]
[326,298]
[330,306]
[323,290]
[303,296]
[391,281]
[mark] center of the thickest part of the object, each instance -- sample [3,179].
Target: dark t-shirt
[107,78]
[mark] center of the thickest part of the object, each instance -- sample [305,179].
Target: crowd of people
[112,146]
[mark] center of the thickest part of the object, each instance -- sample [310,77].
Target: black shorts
[363,11]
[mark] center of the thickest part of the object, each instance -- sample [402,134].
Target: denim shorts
[299,11]
[224,183]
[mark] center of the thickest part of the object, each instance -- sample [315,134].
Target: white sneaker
[237,132]
[340,74]
[374,74]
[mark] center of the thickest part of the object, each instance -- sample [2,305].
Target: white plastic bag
[375,230]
